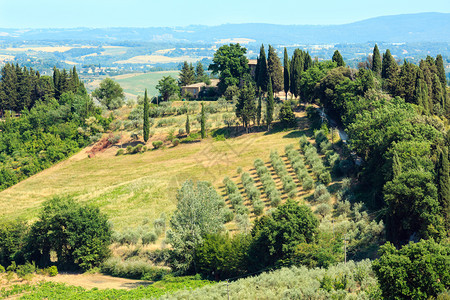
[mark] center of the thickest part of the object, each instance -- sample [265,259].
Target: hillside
[422,27]
[131,188]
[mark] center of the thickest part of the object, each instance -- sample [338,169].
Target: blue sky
[151,13]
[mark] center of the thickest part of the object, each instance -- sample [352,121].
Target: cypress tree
[438,93]
[269,106]
[389,66]
[146,122]
[444,185]
[337,58]
[203,122]
[376,61]
[286,73]
[421,95]
[308,62]
[296,71]
[258,111]
[188,125]
[274,70]
[263,77]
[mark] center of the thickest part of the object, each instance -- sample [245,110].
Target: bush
[51,271]
[129,149]
[157,144]
[149,238]
[2,269]
[175,142]
[134,269]
[120,152]
[308,183]
[323,209]
[24,271]
[325,177]
[227,214]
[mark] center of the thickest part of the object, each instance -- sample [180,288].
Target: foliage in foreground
[336,282]
[51,290]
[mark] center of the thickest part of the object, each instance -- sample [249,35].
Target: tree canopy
[167,87]
[109,93]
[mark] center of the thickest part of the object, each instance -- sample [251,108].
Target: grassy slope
[132,188]
[136,84]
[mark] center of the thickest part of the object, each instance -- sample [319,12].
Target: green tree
[337,58]
[443,179]
[376,61]
[269,105]
[188,125]
[286,72]
[146,126]
[276,237]
[413,206]
[275,70]
[203,122]
[198,213]
[199,72]
[259,111]
[416,271]
[297,67]
[245,107]
[263,75]
[187,75]
[230,63]
[389,66]
[287,116]
[167,87]
[79,234]
[12,240]
[109,93]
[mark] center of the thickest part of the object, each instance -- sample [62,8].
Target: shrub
[114,139]
[319,191]
[258,208]
[325,177]
[134,269]
[157,144]
[304,142]
[24,271]
[227,214]
[323,209]
[51,271]
[2,269]
[275,200]
[175,142]
[308,183]
[324,199]
[149,238]
[129,149]
[241,209]
[239,170]
[181,131]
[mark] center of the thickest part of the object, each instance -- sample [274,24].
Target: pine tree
[376,61]
[263,76]
[444,185]
[9,94]
[286,73]
[187,75]
[203,122]
[270,106]
[337,58]
[188,125]
[274,70]
[199,72]
[258,111]
[146,126]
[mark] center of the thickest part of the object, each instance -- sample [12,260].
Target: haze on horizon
[140,13]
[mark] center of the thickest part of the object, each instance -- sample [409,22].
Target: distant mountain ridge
[422,27]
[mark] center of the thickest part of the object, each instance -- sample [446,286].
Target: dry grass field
[138,187]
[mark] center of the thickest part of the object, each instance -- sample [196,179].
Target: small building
[196,88]
[252,65]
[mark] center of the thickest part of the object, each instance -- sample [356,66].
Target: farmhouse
[196,88]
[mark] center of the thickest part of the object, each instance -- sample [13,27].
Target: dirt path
[87,281]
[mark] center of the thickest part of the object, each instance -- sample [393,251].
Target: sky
[151,13]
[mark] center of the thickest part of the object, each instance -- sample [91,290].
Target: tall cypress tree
[274,70]
[269,106]
[376,61]
[337,58]
[146,125]
[258,111]
[438,93]
[263,77]
[389,66]
[199,72]
[188,125]
[308,62]
[286,73]
[444,185]
[245,107]
[203,122]
[296,71]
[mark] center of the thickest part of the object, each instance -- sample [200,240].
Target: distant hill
[422,27]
